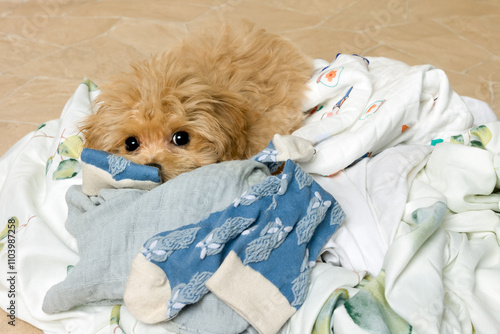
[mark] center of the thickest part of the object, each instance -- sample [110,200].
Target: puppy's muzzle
[157,166]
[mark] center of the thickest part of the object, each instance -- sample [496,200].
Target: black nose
[154,165]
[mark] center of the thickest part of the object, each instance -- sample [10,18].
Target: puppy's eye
[131,144]
[180,138]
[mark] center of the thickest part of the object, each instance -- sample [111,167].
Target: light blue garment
[112,227]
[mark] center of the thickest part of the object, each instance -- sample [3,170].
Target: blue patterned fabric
[277,227]
[119,167]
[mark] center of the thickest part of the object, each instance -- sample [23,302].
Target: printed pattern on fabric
[304,179]
[185,294]
[258,228]
[300,284]
[334,214]
[114,321]
[269,157]
[160,248]
[479,137]
[358,105]
[69,150]
[271,237]
[331,78]
[8,232]
[271,187]
[117,164]
[119,168]
[215,241]
[316,212]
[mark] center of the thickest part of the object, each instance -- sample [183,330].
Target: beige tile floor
[47,47]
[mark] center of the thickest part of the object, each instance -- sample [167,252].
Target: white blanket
[461,259]
[36,173]
[362,106]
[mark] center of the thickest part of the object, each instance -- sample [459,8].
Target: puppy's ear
[86,127]
[98,133]
[93,132]
[232,116]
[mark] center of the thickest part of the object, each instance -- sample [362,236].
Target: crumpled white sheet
[451,283]
[442,264]
[325,279]
[373,193]
[28,192]
[365,105]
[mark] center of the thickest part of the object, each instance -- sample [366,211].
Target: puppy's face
[175,126]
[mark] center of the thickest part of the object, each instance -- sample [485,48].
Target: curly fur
[231,90]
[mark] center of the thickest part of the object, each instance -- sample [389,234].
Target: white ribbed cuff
[250,294]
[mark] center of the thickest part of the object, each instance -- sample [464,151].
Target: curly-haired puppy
[217,96]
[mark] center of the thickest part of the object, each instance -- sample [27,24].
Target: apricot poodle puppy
[218,95]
